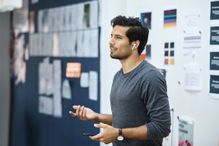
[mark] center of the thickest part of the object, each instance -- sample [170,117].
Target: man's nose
[111,41]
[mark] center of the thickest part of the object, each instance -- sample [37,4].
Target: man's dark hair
[136,31]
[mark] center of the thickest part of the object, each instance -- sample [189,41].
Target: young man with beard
[139,101]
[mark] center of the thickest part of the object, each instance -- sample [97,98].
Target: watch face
[120,138]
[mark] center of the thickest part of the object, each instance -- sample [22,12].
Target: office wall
[40,111]
[198,105]
[4,77]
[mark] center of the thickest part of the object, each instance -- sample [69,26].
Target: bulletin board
[61,67]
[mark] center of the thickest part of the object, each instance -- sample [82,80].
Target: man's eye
[118,37]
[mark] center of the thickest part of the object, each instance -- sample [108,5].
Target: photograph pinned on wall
[214,86]
[170,17]
[185,131]
[146,19]
[214,60]
[214,10]
[166,53]
[169,53]
[214,35]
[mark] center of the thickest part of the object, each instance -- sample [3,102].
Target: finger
[75,107]
[81,111]
[96,137]
[100,125]
[84,113]
[71,113]
[77,110]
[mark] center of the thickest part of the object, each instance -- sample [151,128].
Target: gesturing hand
[83,113]
[108,135]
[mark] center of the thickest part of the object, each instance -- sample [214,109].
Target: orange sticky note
[73,70]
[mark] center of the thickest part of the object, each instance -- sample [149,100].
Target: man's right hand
[83,113]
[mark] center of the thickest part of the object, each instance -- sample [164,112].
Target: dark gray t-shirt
[140,97]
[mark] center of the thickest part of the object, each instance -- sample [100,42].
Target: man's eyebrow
[120,35]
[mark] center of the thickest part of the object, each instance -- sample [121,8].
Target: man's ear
[135,44]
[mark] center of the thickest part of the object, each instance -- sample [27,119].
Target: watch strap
[120,132]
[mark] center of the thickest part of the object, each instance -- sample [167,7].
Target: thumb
[100,125]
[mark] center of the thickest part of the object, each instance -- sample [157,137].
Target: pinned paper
[84,80]
[45,105]
[73,70]
[170,17]
[66,90]
[186,131]
[192,76]
[57,101]
[93,85]
[46,81]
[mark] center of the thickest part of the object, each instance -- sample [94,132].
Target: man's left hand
[108,135]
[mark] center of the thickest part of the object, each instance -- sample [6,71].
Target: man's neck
[130,64]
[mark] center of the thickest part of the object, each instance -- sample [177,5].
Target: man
[139,101]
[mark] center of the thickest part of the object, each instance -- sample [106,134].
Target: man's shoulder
[151,72]
[150,68]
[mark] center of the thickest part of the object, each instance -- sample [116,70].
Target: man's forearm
[136,133]
[103,118]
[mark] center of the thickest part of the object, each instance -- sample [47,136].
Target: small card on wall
[73,70]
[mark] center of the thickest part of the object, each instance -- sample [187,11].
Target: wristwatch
[120,136]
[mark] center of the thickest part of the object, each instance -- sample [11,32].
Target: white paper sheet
[80,14]
[185,131]
[94,14]
[192,30]
[84,82]
[74,17]
[45,105]
[55,47]
[93,85]
[46,82]
[57,88]
[94,43]
[192,77]
[66,89]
